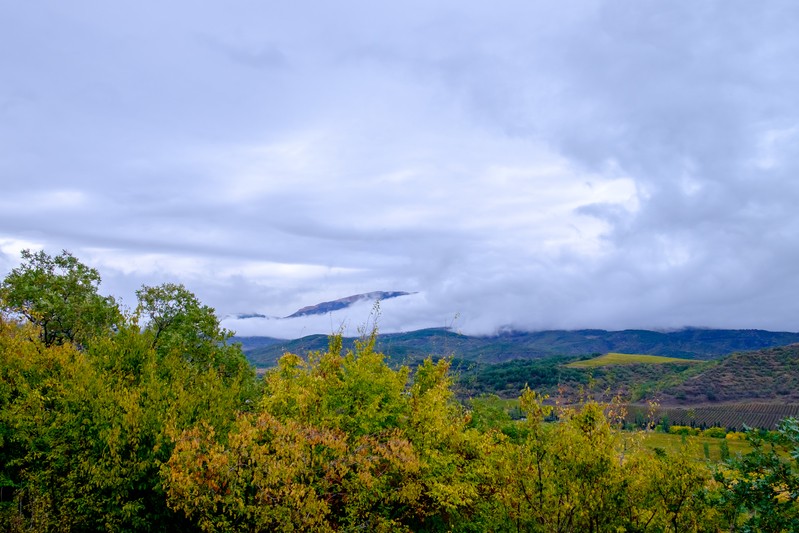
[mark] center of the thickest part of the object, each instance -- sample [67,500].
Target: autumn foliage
[153,421]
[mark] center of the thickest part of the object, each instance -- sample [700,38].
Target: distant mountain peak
[243,316]
[342,303]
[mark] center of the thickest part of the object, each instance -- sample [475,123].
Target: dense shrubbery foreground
[152,422]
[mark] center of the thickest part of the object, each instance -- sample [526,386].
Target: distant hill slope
[249,344]
[612,359]
[770,374]
[762,376]
[558,378]
[411,346]
[690,343]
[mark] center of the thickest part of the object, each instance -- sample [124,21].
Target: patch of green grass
[627,359]
[693,445]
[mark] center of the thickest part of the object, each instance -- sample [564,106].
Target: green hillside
[771,374]
[563,378]
[410,347]
[504,365]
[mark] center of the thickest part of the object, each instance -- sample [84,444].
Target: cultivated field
[627,359]
[732,416]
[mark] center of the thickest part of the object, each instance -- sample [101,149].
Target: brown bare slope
[769,375]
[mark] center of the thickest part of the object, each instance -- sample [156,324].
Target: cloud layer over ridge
[525,164]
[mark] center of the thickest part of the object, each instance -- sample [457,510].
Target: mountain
[441,342]
[764,378]
[692,343]
[762,375]
[342,303]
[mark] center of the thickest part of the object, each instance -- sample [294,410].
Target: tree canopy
[59,295]
[163,426]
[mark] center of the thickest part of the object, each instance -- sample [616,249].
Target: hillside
[770,374]
[254,343]
[550,363]
[558,378]
[441,342]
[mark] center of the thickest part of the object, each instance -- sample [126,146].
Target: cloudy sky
[523,164]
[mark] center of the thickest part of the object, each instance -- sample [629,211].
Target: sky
[515,164]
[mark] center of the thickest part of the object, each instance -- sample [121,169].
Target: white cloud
[14,247]
[775,146]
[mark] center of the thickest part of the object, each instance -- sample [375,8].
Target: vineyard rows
[730,416]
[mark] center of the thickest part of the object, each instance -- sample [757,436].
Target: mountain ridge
[323,308]
[690,343]
[342,303]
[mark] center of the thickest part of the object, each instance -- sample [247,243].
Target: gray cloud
[594,164]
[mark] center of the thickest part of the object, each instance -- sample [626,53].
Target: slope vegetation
[411,346]
[763,375]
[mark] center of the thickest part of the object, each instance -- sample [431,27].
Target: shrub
[683,430]
[715,432]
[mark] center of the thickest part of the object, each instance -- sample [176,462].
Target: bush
[683,430]
[715,432]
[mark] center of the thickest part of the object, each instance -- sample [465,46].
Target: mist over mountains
[391,311]
[395,318]
[324,308]
[343,303]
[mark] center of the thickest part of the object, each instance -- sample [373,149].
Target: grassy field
[673,444]
[627,359]
[694,446]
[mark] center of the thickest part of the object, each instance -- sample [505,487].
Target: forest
[152,419]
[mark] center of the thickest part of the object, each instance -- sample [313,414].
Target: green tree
[488,412]
[581,473]
[179,324]
[60,295]
[323,449]
[84,433]
[760,489]
[673,494]
[452,456]
[340,441]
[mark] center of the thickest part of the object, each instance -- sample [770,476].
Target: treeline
[152,421]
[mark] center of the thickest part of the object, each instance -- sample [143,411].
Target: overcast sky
[519,164]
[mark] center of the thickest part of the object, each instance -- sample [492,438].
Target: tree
[180,325]
[176,317]
[321,453]
[84,433]
[339,442]
[60,295]
[761,488]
